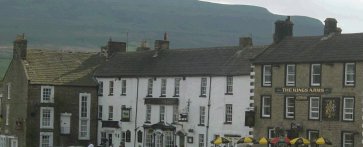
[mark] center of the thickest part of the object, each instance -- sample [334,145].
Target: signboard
[299,90]
[330,109]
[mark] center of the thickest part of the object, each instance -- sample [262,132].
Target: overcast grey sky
[349,13]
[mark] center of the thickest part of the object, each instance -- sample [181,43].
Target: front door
[181,141]
[109,139]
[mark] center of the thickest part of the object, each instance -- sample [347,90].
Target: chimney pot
[245,42]
[330,26]
[283,29]
[20,47]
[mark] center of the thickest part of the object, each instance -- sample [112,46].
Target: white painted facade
[190,91]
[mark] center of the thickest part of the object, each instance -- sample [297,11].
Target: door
[181,141]
[109,139]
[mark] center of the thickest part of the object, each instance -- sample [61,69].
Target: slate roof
[61,68]
[180,62]
[333,48]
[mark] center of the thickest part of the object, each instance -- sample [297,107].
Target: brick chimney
[331,26]
[245,42]
[20,47]
[162,44]
[283,29]
[113,47]
[143,46]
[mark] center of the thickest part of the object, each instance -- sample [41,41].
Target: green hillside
[88,24]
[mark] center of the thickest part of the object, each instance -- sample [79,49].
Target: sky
[348,13]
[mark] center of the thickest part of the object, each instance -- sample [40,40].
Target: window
[314,108]
[150,88]
[315,76]
[7,114]
[201,115]
[110,88]
[123,87]
[348,108]
[266,75]
[46,139]
[158,139]
[125,113]
[347,139]
[203,87]
[229,88]
[84,113]
[148,113]
[228,113]
[128,136]
[266,106]
[175,113]
[271,134]
[100,88]
[110,112]
[163,88]
[100,112]
[290,74]
[313,135]
[168,139]
[349,74]
[9,90]
[201,140]
[148,138]
[47,94]
[162,113]
[139,136]
[123,137]
[46,117]
[289,107]
[177,87]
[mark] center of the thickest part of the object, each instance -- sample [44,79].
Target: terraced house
[49,98]
[311,86]
[175,97]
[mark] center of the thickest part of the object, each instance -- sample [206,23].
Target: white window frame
[314,110]
[347,110]
[309,135]
[264,106]
[7,114]
[50,141]
[266,74]
[228,113]
[202,115]
[148,138]
[158,139]
[203,86]
[175,113]
[84,116]
[150,87]
[288,113]
[162,114]
[271,134]
[201,140]
[100,88]
[348,73]
[51,117]
[290,72]
[8,85]
[168,135]
[177,87]
[314,75]
[163,88]
[345,142]
[51,95]
[111,85]
[100,111]
[110,112]
[123,87]
[148,113]
[229,84]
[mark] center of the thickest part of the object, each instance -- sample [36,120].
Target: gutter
[209,105]
[137,101]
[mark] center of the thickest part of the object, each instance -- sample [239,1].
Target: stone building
[49,99]
[310,86]
[175,97]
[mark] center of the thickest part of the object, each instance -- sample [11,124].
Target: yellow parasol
[220,140]
[322,140]
[262,140]
[300,140]
[246,140]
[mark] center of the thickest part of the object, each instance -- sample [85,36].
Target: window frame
[201,140]
[343,138]
[287,112]
[100,88]
[177,87]
[150,83]
[344,109]
[148,114]
[201,115]
[123,87]
[163,87]
[84,117]
[271,133]
[263,113]
[162,113]
[229,85]
[203,87]
[265,74]
[175,113]
[309,134]
[50,141]
[346,74]
[228,114]
[310,108]
[100,112]
[110,112]
[111,85]
[51,94]
[313,74]
[287,75]
[8,89]
[51,118]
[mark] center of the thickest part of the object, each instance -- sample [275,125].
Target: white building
[181,97]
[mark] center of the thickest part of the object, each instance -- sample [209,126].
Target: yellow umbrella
[300,140]
[246,140]
[262,140]
[322,140]
[220,140]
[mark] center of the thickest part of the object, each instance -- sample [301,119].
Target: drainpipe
[207,129]
[137,102]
